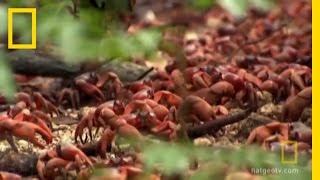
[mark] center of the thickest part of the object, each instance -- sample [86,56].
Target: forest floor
[252,75]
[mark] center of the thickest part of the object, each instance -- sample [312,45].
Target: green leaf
[22,25]
[236,7]
[170,158]
[201,175]
[264,5]
[100,3]
[114,5]
[94,22]
[71,40]
[3,20]
[7,85]
[146,41]
[202,4]
[22,4]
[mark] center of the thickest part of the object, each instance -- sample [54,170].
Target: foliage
[202,4]
[7,86]
[91,36]
[175,158]
[88,33]
[118,5]
[236,7]
[83,32]
[240,7]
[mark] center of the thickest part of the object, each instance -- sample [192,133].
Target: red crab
[121,127]
[168,99]
[9,176]
[147,105]
[20,112]
[35,101]
[24,130]
[63,158]
[261,133]
[197,77]
[295,105]
[196,110]
[92,84]
[214,94]
[103,117]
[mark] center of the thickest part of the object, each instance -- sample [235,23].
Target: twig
[145,73]
[4,107]
[211,126]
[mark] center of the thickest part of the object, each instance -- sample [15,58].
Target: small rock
[191,36]
[74,115]
[23,143]
[202,142]
[233,132]
[223,141]
[264,97]
[271,110]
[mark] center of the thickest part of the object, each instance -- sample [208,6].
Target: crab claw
[294,77]
[159,110]
[261,133]
[56,163]
[252,79]
[169,98]
[41,102]
[26,131]
[70,152]
[201,80]
[26,115]
[105,141]
[90,90]
[137,105]
[16,109]
[24,97]
[221,110]
[41,168]
[52,165]
[86,121]
[297,79]
[165,128]
[143,94]
[106,76]
[43,117]
[9,176]
[272,141]
[235,80]
[73,95]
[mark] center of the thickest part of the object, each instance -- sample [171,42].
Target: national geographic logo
[292,156]
[33,13]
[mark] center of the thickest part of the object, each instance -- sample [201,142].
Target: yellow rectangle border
[295,159]
[33,44]
[315,88]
